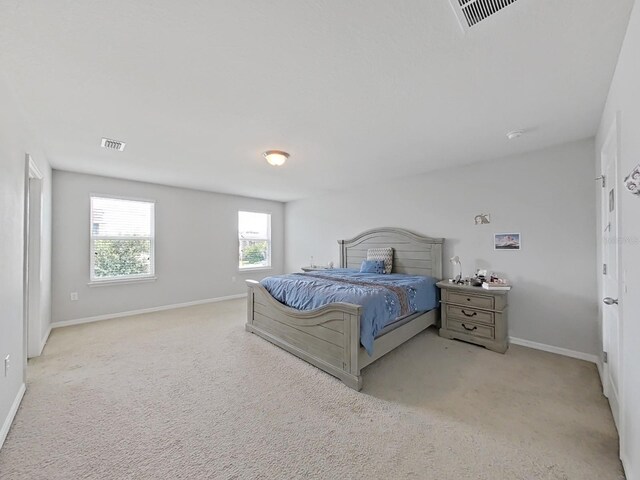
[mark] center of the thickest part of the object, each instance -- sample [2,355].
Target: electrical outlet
[74,296]
[233,279]
[7,364]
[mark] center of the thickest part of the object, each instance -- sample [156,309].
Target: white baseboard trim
[44,340]
[109,316]
[552,349]
[628,469]
[600,373]
[6,426]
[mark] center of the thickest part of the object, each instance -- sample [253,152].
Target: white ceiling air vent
[472,12]
[113,144]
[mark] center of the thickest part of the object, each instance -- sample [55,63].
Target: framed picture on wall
[507,241]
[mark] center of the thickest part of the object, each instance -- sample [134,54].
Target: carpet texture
[188,394]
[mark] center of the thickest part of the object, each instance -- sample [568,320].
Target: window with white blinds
[122,239]
[254,239]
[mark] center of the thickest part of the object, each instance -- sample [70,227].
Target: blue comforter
[384,298]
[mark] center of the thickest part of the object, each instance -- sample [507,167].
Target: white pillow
[385,254]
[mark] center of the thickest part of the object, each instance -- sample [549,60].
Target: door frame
[33,205]
[613,135]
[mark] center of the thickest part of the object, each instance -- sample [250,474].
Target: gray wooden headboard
[413,254]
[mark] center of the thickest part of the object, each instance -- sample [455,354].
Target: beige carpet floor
[188,394]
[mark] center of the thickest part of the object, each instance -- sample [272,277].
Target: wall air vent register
[472,12]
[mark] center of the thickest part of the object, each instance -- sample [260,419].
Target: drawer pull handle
[469,329]
[469,314]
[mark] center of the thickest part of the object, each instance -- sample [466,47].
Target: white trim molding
[34,171]
[553,349]
[253,269]
[627,467]
[6,426]
[44,340]
[122,281]
[109,316]
[600,372]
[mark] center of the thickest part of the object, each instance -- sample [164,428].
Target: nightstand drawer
[478,301]
[470,328]
[469,314]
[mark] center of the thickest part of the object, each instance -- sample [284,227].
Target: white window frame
[146,277]
[268,240]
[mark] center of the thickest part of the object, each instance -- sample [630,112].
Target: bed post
[353,379]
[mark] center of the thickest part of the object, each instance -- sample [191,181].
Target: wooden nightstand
[474,315]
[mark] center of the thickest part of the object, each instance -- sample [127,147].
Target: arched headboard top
[413,254]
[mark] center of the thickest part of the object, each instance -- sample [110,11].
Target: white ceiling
[355,90]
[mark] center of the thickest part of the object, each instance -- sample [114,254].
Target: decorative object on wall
[482,219]
[512,135]
[632,181]
[456,261]
[507,241]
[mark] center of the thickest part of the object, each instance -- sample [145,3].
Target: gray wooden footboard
[328,337]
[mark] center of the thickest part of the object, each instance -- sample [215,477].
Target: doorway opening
[32,260]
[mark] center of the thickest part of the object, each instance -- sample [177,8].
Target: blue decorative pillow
[385,254]
[372,266]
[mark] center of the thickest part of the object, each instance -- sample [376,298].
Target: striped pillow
[384,254]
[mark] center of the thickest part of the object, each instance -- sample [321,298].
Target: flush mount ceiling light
[276,157]
[515,134]
[112,144]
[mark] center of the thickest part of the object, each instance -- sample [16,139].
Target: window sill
[254,269]
[121,281]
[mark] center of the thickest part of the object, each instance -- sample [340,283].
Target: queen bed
[342,320]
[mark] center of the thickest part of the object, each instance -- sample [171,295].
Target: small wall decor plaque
[507,241]
[482,219]
[632,181]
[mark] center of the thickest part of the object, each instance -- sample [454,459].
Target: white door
[610,285]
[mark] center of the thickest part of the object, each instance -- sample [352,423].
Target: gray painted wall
[196,246]
[624,97]
[547,195]
[15,142]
